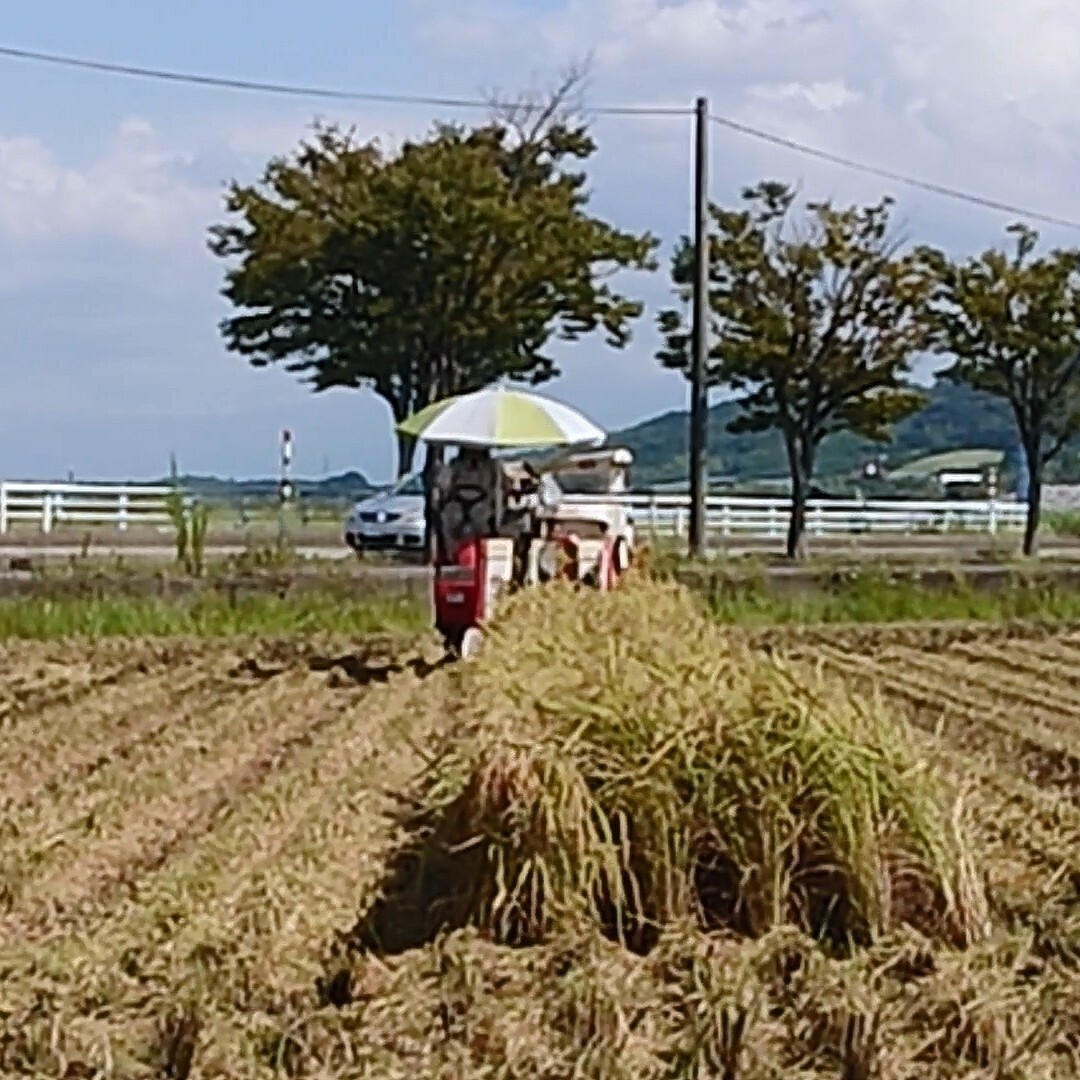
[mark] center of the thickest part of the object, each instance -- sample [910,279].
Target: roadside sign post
[285,488]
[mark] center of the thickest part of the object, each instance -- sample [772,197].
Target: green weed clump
[876,595]
[210,614]
[621,761]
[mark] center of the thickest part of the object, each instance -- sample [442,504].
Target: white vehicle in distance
[390,521]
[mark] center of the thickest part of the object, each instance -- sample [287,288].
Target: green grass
[1062,522]
[742,596]
[256,559]
[208,615]
[879,597]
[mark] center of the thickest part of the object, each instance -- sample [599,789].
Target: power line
[295,90]
[888,174]
[332,93]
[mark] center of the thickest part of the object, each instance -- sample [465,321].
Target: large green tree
[1011,322]
[429,271]
[814,324]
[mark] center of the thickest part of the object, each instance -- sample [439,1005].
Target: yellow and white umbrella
[501,417]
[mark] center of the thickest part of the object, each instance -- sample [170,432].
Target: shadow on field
[362,668]
[359,669]
[399,922]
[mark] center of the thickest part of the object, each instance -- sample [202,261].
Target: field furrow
[229,754]
[188,829]
[1063,650]
[49,828]
[81,777]
[1045,703]
[1048,667]
[23,696]
[971,721]
[284,869]
[73,738]
[36,677]
[338,721]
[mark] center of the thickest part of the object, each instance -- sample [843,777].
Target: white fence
[749,516]
[122,505]
[51,505]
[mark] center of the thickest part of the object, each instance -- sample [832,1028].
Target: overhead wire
[889,174]
[297,90]
[436,101]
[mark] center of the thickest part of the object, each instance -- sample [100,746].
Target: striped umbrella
[500,417]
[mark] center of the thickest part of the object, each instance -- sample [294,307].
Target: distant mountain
[344,487]
[954,417]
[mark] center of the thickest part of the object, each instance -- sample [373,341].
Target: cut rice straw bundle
[625,761]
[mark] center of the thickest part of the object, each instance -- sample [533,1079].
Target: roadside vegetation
[208,614]
[260,596]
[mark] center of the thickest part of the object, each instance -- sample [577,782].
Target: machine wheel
[472,642]
[621,556]
[466,645]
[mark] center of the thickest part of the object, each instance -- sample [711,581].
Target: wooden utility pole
[700,340]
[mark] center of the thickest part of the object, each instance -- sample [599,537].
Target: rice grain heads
[619,760]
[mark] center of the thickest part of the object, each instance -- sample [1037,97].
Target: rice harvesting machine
[500,526]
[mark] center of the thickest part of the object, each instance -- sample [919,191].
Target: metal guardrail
[49,505]
[768,517]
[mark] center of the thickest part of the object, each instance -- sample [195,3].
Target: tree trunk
[406,454]
[796,534]
[801,463]
[1031,525]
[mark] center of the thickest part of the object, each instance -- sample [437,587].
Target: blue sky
[110,356]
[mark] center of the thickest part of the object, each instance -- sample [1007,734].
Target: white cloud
[627,31]
[1022,54]
[135,191]
[976,97]
[826,95]
[258,137]
[158,189]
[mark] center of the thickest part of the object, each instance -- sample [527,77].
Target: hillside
[953,417]
[343,487]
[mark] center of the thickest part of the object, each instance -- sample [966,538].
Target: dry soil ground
[187,828]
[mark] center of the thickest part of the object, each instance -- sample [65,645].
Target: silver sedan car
[390,521]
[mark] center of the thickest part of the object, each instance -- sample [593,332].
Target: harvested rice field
[625,842]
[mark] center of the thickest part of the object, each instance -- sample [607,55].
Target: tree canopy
[430,271]
[814,324]
[1011,323]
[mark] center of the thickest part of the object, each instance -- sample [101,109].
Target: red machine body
[493,540]
[459,592]
[466,589]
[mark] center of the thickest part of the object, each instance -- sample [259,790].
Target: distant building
[968,473]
